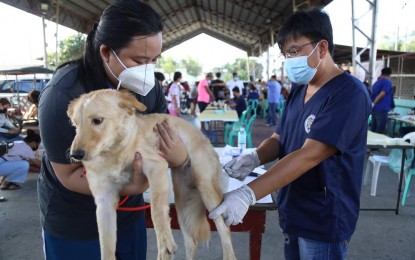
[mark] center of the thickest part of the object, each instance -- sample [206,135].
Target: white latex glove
[242,166]
[235,205]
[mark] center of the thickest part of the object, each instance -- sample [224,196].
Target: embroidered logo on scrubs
[308,122]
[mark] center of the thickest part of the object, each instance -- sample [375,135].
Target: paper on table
[385,141]
[234,184]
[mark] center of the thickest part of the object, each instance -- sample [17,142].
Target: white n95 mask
[139,79]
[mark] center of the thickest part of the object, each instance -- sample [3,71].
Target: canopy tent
[26,70]
[250,25]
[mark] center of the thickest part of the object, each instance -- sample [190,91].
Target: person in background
[238,102]
[15,163]
[160,77]
[320,144]
[205,95]
[273,94]
[381,101]
[235,82]
[174,95]
[284,92]
[8,132]
[120,51]
[32,97]
[218,87]
[193,98]
[253,93]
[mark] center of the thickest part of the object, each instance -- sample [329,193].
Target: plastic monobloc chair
[393,160]
[248,131]
[376,161]
[407,185]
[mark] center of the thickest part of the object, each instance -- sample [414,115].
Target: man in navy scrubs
[320,142]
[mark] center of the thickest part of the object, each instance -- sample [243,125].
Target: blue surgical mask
[297,69]
[236,78]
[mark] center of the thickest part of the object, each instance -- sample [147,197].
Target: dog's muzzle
[77,155]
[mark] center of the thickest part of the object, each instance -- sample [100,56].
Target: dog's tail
[190,208]
[195,220]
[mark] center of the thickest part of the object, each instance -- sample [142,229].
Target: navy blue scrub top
[323,204]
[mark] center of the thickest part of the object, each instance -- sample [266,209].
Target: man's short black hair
[234,74]
[312,23]
[218,74]
[386,71]
[235,89]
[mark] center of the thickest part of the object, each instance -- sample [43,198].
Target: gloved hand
[235,205]
[242,166]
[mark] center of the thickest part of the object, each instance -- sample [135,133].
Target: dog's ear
[71,107]
[129,103]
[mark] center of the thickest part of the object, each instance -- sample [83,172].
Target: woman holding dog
[120,52]
[320,145]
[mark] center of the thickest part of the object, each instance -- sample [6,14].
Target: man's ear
[324,48]
[129,103]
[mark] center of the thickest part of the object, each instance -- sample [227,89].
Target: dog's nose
[77,154]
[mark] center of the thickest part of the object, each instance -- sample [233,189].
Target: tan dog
[108,133]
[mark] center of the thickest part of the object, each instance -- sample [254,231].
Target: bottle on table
[242,139]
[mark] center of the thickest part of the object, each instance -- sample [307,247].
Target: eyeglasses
[292,52]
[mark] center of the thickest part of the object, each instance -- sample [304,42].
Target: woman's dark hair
[312,23]
[4,101]
[33,97]
[118,24]
[177,75]
[159,76]
[31,136]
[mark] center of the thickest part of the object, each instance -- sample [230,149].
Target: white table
[375,140]
[228,115]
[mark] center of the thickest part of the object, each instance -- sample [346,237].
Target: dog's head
[102,120]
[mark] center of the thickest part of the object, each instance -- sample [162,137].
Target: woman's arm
[210,92]
[174,98]
[72,177]
[34,161]
[31,113]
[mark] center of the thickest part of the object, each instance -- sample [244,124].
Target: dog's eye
[97,121]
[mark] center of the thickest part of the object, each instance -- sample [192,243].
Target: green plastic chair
[264,108]
[248,130]
[281,107]
[252,107]
[407,185]
[236,125]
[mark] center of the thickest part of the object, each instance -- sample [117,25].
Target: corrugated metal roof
[250,25]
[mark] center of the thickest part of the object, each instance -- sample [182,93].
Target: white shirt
[5,122]
[232,83]
[20,151]
[174,93]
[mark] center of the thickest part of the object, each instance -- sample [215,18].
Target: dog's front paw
[167,251]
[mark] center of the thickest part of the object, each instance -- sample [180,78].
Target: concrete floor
[379,234]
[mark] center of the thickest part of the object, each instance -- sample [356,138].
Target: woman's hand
[139,182]
[13,131]
[171,145]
